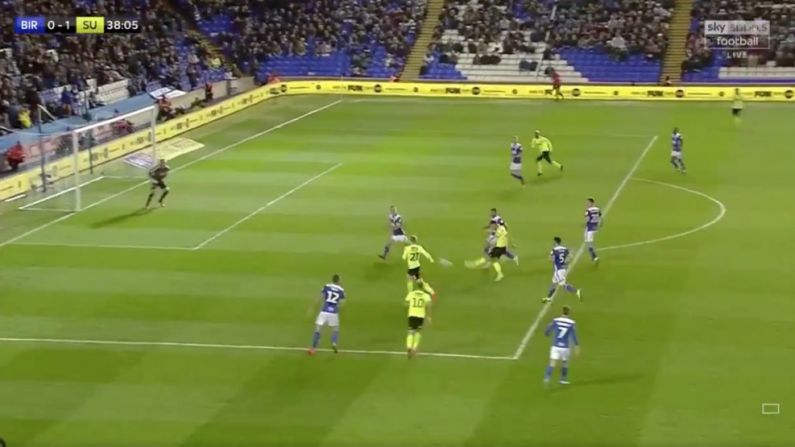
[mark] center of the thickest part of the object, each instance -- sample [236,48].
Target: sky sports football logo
[737,35]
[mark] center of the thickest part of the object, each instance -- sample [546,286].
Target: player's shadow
[546,178]
[609,380]
[120,218]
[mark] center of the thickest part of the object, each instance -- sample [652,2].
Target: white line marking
[483,133]
[52,210]
[65,191]
[771,409]
[712,222]
[125,177]
[264,207]
[545,308]
[139,247]
[173,344]
[190,163]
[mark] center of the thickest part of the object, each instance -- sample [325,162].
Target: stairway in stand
[416,59]
[191,29]
[677,41]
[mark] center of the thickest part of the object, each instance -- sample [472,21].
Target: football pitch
[187,325]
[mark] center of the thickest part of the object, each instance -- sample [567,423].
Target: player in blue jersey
[396,232]
[491,238]
[516,160]
[676,151]
[564,335]
[331,299]
[593,221]
[560,261]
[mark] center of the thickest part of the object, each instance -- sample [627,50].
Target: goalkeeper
[544,147]
[158,176]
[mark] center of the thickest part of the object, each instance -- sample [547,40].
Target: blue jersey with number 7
[332,294]
[563,332]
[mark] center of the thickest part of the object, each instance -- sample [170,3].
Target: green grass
[683,339]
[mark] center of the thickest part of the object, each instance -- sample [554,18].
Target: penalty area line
[190,163]
[545,308]
[119,246]
[225,346]
[264,207]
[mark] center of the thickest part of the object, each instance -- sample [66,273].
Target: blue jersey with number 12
[333,294]
[593,217]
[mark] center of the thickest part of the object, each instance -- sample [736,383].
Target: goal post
[73,163]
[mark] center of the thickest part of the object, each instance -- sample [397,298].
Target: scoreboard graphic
[76,25]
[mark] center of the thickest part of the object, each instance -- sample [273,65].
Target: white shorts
[328,318]
[515,167]
[675,154]
[590,235]
[559,277]
[556,353]
[399,238]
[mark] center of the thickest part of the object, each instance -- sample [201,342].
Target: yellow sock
[409,341]
[497,268]
[479,262]
[417,337]
[556,164]
[539,168]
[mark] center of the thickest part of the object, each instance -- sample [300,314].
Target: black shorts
[544,156]
[414,273]
[415,323]
[159,184]
[497,252]
[736,112]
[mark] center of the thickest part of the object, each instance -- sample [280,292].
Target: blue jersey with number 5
[560,257]
[333,294]
[563,331]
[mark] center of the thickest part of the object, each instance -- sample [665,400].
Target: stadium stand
[776,64]
[515,41]
[312,38]
[64,72]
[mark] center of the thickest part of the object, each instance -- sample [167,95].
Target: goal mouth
[76,168]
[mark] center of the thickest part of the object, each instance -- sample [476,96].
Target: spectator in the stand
[15,156]
[122,126]
[525,65]
[618,47]
[67,101]
[208,92]
[24,118]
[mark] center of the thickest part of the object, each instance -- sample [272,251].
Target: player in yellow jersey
[412,254]
[544,147]
[737,105]
[419,305]
[499,250]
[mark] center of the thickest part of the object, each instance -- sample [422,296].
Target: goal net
[90,163]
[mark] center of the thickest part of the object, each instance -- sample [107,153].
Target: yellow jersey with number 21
[412,253]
